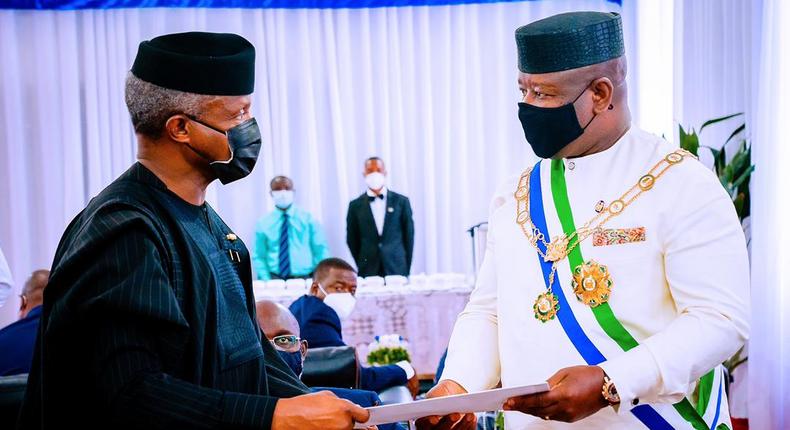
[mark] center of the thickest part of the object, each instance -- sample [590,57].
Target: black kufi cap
[201,63]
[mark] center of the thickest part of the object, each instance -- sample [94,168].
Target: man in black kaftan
[149,317]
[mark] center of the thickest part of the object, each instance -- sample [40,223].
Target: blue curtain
[250,4]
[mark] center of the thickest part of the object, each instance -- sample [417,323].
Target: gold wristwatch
[609,391]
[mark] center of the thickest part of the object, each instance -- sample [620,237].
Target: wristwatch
[609,391]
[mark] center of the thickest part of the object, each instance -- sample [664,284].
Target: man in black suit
[379,226]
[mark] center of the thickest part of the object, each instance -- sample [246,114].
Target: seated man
[282,330]
[289,242]
[331,298]
[18,339]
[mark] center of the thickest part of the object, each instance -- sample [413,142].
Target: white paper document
[489,400]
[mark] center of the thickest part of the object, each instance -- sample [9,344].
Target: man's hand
[317,411]
[447,422]
[414,385]
[575,393]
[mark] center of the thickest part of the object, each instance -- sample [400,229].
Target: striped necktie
[285,258]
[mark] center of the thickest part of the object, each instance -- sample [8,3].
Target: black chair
[338,367]
[331,367]
[12,391]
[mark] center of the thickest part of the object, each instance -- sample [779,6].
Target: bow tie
[373,198]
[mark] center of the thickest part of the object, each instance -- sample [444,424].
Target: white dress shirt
[682,293]
[379,209]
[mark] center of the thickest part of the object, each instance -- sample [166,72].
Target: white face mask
[283,198]
[375,181]
[342,303]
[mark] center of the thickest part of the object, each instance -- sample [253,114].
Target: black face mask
[293,360]
[244,141]
[548,130]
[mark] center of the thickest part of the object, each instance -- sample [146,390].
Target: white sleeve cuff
[635,375]
[407,367]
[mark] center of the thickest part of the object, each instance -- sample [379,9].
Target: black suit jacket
[390,253]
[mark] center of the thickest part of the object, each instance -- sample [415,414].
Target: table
[423,315]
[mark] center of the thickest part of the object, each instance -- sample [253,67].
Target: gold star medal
[592,283]
[546,306]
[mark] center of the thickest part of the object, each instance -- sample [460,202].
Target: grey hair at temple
[151,105]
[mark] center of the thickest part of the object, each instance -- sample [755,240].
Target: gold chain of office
[591,282]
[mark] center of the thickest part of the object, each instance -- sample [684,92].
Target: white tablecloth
[424,316]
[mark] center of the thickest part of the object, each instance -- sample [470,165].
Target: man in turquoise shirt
[289,242]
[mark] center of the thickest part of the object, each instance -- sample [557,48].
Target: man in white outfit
[616,268]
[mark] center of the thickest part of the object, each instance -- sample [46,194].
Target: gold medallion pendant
[546,306]
[592,283]
[556,249]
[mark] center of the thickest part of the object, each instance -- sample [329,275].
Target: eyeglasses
[287,343]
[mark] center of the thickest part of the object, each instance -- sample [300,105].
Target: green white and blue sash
[709,407]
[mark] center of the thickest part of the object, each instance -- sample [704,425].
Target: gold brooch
[546,306]
[556,249]
[592,283]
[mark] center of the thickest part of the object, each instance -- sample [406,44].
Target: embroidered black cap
[569,41]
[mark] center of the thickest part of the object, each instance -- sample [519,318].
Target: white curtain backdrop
[432,90]
[714,60]
[769,348]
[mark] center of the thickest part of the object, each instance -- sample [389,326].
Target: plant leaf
[716,120]
[744,176]
[739,163]
[682,136]
[720,160]
[689,141]
[725,184]
[738,202]
[735,133]
[713,151]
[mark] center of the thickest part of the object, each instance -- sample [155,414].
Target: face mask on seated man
[282,330]
[340,300]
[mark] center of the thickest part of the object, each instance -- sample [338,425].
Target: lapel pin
[231,237]
[390,210]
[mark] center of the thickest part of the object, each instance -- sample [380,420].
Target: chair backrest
[12,391]
[335,366]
